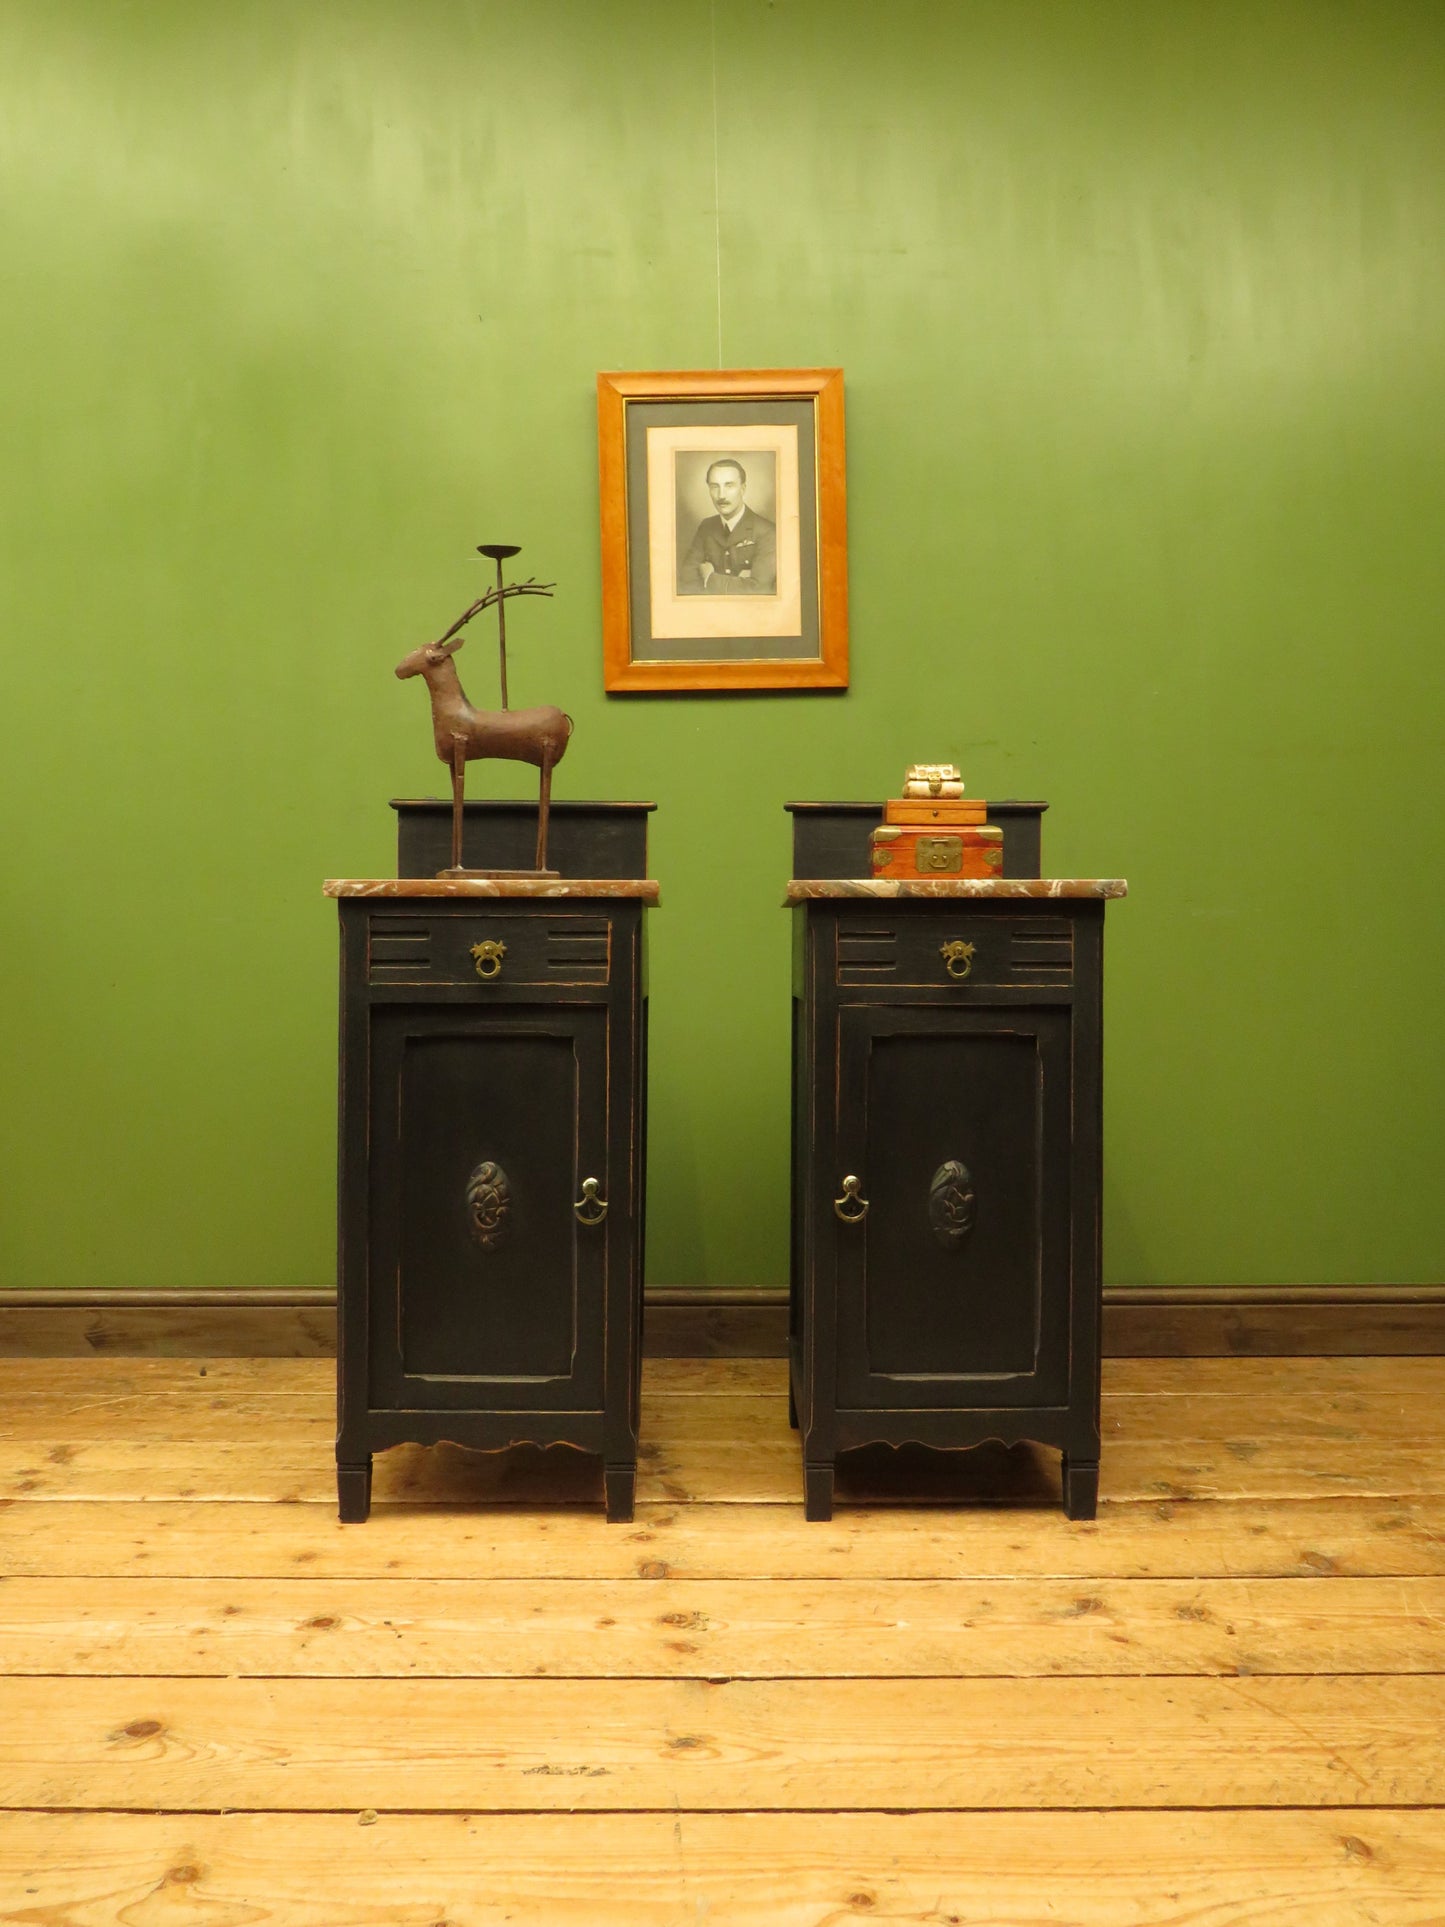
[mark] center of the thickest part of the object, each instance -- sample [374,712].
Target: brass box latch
[938,855]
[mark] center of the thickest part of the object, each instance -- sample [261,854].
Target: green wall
[1140,310]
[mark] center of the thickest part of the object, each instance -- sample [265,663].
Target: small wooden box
[932,779]
[960,851]
[918,812]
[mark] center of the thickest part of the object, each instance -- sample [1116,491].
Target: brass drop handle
[957,959]
[851,1197]
[589,1208]
[488,958]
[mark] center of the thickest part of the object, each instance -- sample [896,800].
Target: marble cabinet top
[644,889]
[805,889]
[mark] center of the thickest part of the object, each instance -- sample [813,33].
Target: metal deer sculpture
[463,734]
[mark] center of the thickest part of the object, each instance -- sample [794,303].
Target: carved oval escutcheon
[489,1205]
[951,1204]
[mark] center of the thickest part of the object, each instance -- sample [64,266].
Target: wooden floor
[1222,1702]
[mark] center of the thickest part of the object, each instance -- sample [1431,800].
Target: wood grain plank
[199,1416]
[714,1377]
[1335,1417]
[746,1456]
[62,1380]
[297,1464]
[237,1442]
[220,1408]
[1280,1869]
[56,1383]
[65,1379]
[124,1538]
[305,1627]
[204,1408]
[1267,1378]
[202,1411]
[643,1745]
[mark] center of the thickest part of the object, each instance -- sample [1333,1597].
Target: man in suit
[735,551]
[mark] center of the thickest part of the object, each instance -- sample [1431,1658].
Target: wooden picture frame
[724,529]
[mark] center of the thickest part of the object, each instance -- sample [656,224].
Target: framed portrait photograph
[724,543]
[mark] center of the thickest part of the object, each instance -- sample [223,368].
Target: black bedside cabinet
[493,1050]
[947,1098]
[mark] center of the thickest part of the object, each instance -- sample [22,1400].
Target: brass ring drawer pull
[488,957]
[851,1189]
[590,1209]
[958,959]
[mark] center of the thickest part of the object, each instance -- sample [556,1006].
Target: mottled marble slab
[645,889]
[804,889]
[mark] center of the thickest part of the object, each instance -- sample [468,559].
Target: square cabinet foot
[353,1490]
[1081,1488]
[621,1483]
[818,1491]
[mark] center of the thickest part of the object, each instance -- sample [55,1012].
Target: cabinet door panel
[484,1284]
[954,1289]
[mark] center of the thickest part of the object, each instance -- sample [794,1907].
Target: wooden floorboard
[82,1381]
[1241,1538]
[1221,1701]
[708,1629]
[1293,1418]
[721,1629]
[1177,1869]
[738,1467]
[202,1438]
[440,1745]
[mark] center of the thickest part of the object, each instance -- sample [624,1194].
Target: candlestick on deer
[464,735]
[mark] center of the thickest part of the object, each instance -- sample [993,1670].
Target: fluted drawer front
[883,948]
[490,947]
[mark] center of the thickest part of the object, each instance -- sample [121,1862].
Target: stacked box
[955,850]
[937,780]
[915,812]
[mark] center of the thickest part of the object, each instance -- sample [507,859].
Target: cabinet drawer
[540,947]
[939,948]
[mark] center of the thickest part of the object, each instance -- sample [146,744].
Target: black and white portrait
[729,569]
[726,522]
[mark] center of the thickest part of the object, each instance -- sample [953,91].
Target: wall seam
[716,185]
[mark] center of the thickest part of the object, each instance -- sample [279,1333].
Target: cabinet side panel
[353,1150]
[1088,1148]
[626,1126]
[818,1097]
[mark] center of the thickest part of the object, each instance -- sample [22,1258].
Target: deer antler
[530,587]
